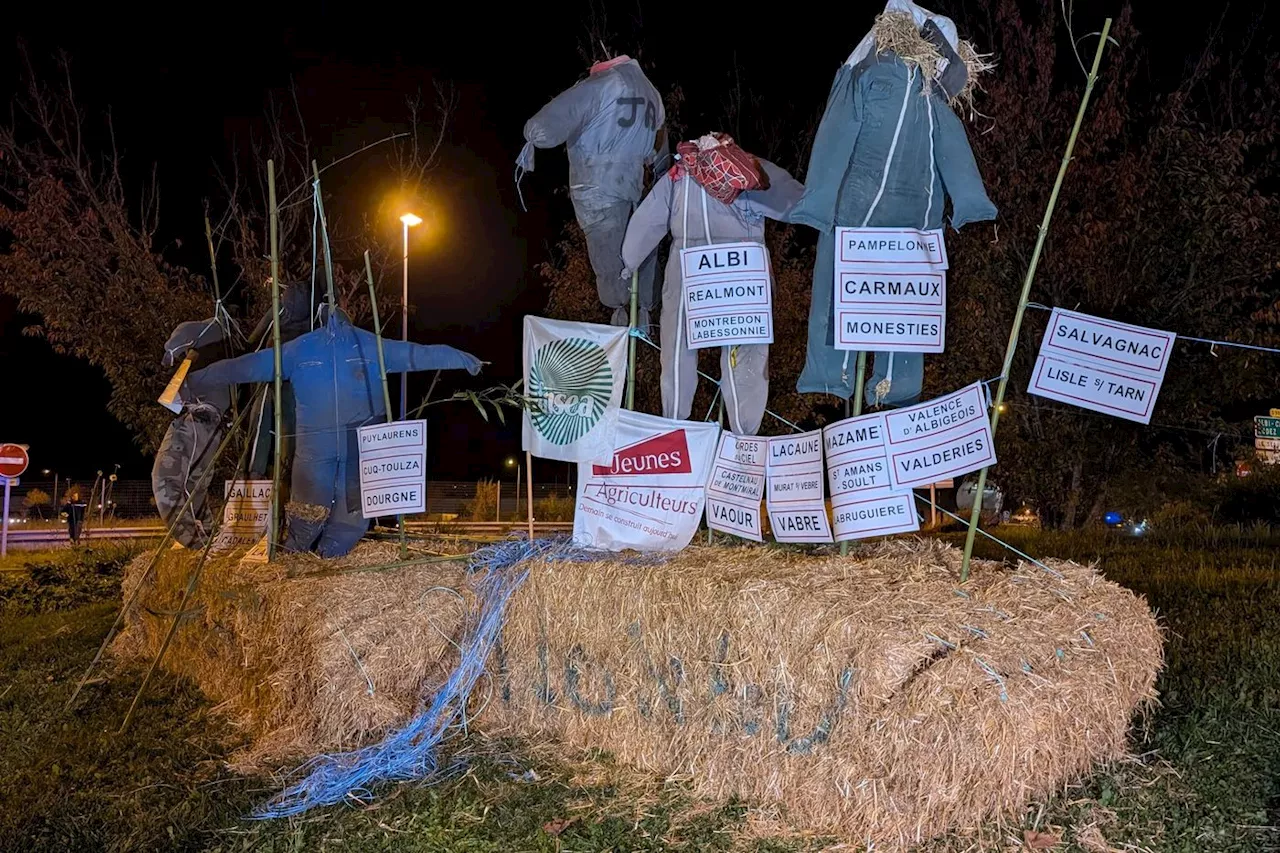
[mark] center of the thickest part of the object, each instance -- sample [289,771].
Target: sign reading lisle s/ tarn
[737,486]
[890,290]
[1101,365]
[727,297]
[797,511]
[863,501]
[938,440]
[393,469]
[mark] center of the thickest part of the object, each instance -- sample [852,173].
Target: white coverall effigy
[695,218]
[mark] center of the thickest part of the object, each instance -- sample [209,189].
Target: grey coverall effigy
[608,123]
[885,155]
[694,218]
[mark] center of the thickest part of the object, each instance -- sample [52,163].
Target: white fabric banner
[575,374]
[727,297]
[651,494]
[943,438]
[1102,365]
[797,510]
[863,501]
[737,486]
[890,290]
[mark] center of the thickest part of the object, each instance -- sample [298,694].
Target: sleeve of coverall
[783,193]
[649,224]
[565,115]
[959,171]
[403,356]
[255,367]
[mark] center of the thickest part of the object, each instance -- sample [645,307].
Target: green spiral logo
[572,383]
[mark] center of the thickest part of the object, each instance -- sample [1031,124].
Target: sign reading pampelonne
[890,290]
[727,297]
[574,374]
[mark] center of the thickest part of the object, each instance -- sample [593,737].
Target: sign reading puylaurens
[863,500]
[651,495]
[574,374]
[1102,365]
[727,297]
[943,438]
[797,511]
[737,486]
[245,515]
[890,290]
[393,469]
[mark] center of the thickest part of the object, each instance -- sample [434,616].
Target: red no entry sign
[13,460]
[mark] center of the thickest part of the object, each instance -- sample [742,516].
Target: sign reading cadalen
[650,496]
[574,373]
[1102,365]
[938,440]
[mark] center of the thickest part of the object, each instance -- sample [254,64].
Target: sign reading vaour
[890,290]
[737,486]
[943,438]
[797,511]
[1102,365]
[863,500]
[727,297]
[393,468]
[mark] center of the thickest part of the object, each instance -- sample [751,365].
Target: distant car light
[1113,518]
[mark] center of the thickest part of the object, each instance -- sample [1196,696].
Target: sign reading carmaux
[727,297]
[890,290]
[393,468]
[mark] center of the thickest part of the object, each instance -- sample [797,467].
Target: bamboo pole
[859,380]
[273,529]
[631,341]
[382,371]
[528,484]
[324,231]
[976,514]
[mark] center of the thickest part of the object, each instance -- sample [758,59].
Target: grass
[1207,777]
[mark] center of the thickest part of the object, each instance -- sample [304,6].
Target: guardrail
[52,537]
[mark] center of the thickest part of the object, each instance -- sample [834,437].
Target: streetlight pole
[409,220]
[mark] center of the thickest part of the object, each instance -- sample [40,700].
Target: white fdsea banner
[650,494]
[890,290]
[727,297]
[863,501]
[737,486]
[393,468]
[575,374]
[1102,365]
[797,510]
[245,515]
[938,440]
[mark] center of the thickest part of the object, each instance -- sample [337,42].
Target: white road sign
[863,500]
[737,486]
[940,439]
[797,510]
[393,468]
[890,311]
[245,516]
[727,296]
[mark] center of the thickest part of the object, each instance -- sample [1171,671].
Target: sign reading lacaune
[938,440]
[864,501]
[727,297]
[797,511]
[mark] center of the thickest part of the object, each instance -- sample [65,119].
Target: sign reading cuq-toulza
[393,469]
[1102,365]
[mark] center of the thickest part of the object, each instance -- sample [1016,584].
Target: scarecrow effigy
[715,193]
[335,379]
[888,153]
[612,125]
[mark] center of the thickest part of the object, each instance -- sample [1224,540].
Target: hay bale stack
[307,655]
[869,698]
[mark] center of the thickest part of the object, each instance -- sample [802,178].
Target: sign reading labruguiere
[393,469]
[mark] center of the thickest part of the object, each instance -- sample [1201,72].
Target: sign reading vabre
[797,511]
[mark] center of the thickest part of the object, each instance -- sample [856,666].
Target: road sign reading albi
[1264,427]
[13,460]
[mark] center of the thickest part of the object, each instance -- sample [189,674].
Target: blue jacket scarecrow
[888,153]
[612,126]
[336,387]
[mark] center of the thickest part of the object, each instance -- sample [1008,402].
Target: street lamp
[409,220]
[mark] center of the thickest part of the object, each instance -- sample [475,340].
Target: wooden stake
[860,379]
[976,515]
[528,480]
[382,371]
[631,341]
[273,529]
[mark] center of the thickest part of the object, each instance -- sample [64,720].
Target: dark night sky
[182,89]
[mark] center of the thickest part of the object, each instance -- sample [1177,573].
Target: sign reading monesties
[890,290]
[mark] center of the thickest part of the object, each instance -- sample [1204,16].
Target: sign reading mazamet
[393,468]
[940,439]
[726,292]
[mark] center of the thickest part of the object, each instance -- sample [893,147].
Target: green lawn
[1208,777]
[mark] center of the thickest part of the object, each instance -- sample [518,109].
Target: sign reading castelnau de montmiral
[1102,365]
[574,374]
[727,298]
[943,438]
[864,501]
[890,290]
[393,468]
[737,486]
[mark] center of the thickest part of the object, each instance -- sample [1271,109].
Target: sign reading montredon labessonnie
[393,468]
[727,297]
[943,438]
[1102,365]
